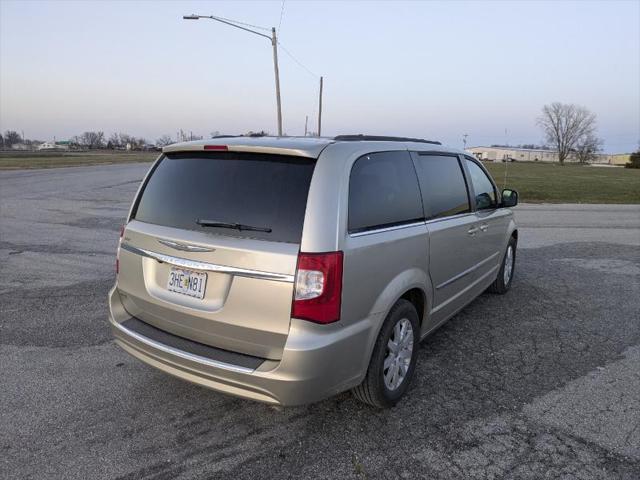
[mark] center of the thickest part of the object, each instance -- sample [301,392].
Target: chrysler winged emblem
[185,247]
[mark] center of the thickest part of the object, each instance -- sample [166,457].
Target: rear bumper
[318,361]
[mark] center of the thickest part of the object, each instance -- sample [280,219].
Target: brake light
[318,288]
[118,250]
[216,147]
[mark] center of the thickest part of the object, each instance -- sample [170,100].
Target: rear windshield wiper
[235,226]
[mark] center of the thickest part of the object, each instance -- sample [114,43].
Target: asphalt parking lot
[541,383]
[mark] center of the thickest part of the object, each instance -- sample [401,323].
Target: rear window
[259,190]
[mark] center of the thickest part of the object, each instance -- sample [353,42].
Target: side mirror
[509,198]
[484,201]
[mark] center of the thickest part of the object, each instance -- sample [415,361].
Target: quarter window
[383,191]
[442,183]
[483,187]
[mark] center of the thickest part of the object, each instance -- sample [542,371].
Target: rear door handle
[484,227]
[472,230]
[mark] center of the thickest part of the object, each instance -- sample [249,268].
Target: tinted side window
[442,184]
[383,191]
[483,187]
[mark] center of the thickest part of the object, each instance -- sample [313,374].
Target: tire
[377,389]
[502,283]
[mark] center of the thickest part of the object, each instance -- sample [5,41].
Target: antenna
[506,160]
[320,110]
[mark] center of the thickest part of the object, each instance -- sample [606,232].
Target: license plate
[187,282]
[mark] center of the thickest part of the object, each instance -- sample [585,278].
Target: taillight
[118,250]
[318,288]
[216,147]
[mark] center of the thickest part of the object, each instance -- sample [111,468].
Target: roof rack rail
[381,138]
[247,135]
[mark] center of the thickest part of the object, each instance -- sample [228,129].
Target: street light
[274,43]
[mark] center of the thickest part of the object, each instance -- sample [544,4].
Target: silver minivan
[286,270]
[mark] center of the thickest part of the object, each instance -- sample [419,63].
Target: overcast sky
[427,69]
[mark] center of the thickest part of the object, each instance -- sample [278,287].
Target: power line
[272,39]
[241,23]
[297,61]
[281,13]
[267,29]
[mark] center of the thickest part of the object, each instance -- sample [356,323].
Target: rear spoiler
[281,146]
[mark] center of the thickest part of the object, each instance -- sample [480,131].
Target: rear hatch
[210,250]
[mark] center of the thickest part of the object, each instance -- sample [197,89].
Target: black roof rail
[251,135]
[381,138]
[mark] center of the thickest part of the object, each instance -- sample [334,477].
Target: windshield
[206,190]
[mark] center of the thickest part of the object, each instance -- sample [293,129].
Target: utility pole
[306,121]
[274,42]
[320,111]
[464,141]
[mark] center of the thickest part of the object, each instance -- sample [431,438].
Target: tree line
[568,129]
[91,140]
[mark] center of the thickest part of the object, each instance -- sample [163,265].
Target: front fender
[511,227]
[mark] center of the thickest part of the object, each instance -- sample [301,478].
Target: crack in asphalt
[17,248]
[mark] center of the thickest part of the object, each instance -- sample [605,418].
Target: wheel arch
[418,298]
[413,285]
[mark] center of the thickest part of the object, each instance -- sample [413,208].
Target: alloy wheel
[398,355]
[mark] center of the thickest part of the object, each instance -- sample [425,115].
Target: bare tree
[114,141]
[122,140]
[164,140]
[92,140]
[11,137]
[565,125]
[587,148]
[126,139]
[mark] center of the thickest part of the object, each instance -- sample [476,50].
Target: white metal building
[499,154]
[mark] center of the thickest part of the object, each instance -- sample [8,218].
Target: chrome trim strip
[208,267]
[180,353]
[386,229]
[450,217]
[185,247]
[466,272]
[414,224]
